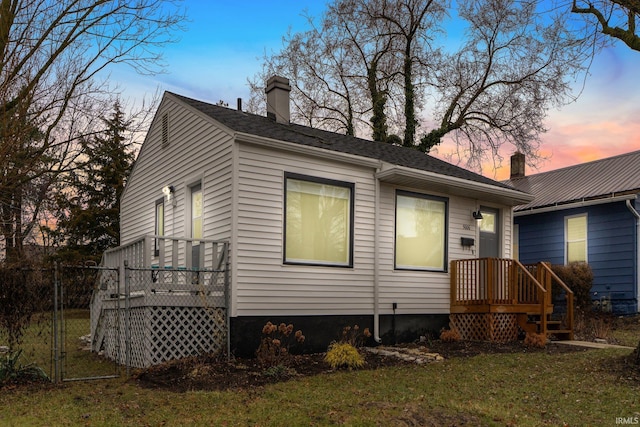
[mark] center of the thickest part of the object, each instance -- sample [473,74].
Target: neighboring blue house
[587,212]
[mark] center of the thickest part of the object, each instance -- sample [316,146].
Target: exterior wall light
[168,191]
[477,216]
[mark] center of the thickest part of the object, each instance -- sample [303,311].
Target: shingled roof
[401,156]
[600,179]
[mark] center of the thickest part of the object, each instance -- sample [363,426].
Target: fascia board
[578,204]
[517,197]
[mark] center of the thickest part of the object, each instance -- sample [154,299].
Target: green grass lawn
[524,389]
[521,389]
[75,361]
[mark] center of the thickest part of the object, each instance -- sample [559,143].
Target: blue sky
[224,41]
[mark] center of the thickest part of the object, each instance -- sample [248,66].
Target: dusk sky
[224,41]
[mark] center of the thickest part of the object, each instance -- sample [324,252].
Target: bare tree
[411,24]
[615,18]
[53,54]
[514,66]
[320,70]
[515,62]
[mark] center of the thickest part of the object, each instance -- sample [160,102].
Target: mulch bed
[216,373]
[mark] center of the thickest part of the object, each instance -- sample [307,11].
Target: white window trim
[566,236]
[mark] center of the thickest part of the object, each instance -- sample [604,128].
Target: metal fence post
[227,297]
[127,317]
[56,354]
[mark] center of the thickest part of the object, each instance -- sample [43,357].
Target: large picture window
[576,238]
[318,221]
[421,232]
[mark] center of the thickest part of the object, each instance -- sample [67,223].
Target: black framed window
[421,232]
[318,221]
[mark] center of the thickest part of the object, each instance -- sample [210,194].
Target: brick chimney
[517,165]
[278,99]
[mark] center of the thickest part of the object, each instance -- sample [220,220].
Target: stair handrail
[542,291]
[531,276]
[569,294]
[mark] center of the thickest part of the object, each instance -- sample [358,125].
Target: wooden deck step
[561,334]
[549,322]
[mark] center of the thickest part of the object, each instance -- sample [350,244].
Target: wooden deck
[493,298]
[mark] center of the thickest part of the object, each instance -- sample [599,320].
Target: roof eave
[462,187]
[577,204]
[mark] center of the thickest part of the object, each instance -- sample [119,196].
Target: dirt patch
[216,373]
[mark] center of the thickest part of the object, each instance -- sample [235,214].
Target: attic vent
[165,129]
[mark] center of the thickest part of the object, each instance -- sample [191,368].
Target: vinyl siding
[415,291]
[197,151]
[264,285]
[611,245]
[243,190]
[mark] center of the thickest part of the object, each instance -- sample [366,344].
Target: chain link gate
[75,287]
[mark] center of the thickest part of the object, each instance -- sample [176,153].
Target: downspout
[637,215]
[376,262]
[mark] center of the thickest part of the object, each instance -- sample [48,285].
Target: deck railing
[498,285]
[167,252]
[494,281]
[187,278]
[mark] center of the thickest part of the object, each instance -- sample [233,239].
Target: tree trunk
[378,100]
[409,102]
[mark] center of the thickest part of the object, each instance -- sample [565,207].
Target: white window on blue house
[575,238]
[318,221]
[421,232]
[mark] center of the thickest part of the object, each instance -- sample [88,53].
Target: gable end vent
[165,129]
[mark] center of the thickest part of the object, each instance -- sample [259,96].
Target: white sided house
[323,230]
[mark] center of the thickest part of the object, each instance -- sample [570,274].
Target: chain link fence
[79,322]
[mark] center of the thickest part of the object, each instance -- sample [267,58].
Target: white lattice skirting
[494,327]
[160,334]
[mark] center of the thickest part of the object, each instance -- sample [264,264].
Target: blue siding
[611,248]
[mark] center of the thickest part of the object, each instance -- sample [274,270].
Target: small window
[576,239]
[421,232]
[318,221]
[488,222]
[159,226]
[196,212]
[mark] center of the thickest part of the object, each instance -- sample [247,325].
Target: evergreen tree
[89,204]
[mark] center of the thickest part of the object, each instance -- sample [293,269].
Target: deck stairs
[551,326]
[497,298]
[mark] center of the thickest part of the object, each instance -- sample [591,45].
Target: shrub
[24,292]
[579,278]
[354,336]
[450,335]
[601,326]
[11,370]
[532,339]
[344,355]
[275,344]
